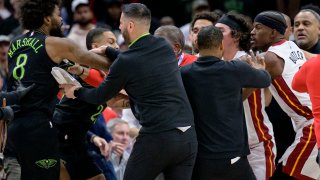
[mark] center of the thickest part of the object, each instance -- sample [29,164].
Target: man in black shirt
[214,89]
[149,73]
[306,29]
[31,136]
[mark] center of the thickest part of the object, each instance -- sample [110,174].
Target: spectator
[4,47]
[4,11]
[11,22]
[82,18]
[199,21]
[198,6]
[166,20]
[176,39]
[119,130]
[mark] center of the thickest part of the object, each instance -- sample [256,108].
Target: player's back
[29,63]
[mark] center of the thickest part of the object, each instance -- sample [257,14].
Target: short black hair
[137,11]
[33,12]
[209,37]
[93,35]
[171,33]
[210,16]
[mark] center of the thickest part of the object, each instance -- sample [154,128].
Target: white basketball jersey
[296,105]
[258,125]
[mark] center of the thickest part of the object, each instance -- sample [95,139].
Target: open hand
[256,61]
[102,145]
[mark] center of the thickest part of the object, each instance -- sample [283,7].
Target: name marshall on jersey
[31,42]
[295,56]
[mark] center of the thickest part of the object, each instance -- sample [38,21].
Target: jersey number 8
[20,63]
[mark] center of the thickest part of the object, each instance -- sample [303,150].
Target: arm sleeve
[251,77]
[89,135]
[99,129]
[94,78]
[111,85]
[112,53]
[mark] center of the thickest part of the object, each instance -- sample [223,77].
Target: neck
[42,30]
[210,52]
[86,27]
[230,52]
[136,36]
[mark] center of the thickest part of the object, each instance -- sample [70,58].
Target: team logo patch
[46,163]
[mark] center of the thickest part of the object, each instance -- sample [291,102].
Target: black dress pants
[171,152]
[222,169]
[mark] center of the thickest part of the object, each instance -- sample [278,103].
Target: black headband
[272,23]
[230,22]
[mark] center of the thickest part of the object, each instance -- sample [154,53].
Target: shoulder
[124,59]
[236,63]
[58,43]
[272,58]
[60,48]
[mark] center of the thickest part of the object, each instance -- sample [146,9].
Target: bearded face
[124,28]
[57,31]
[56,24]
[83,15]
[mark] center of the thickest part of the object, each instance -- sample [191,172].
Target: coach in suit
[149,73]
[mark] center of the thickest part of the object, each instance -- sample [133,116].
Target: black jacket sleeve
[111,85]
[251,77]
[112,53]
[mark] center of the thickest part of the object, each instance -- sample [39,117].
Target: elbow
[266,80]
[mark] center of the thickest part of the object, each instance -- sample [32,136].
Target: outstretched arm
[112,84]
[63,48]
